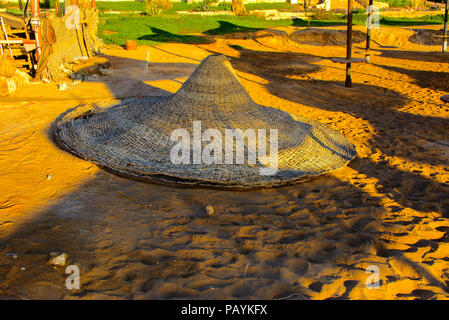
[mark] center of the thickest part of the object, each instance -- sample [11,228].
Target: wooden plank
[344,60]
[18,52]
[21,62]
[16,31]
[13,21]
[11,41]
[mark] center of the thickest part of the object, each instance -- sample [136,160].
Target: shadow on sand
[140,240]
[392,129]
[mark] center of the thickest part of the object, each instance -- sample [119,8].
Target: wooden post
[348,82]
[35,10]
[445,27]
[35,13]
[368,31]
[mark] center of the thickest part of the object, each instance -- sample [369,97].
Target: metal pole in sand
[348,82]
[368,31]
[147,66]
[445,27]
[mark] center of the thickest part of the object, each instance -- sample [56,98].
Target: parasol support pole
[35,24]
[348,82]
[25,9]
[368,31]
[445,26]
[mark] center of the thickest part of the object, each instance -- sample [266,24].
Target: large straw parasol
[134,138]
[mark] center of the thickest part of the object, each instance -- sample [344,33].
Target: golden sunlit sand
[315,240]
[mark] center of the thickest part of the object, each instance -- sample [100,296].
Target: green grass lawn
[15,11]
[116,29]
[173,27]
[359,19]
[405,22]
[120,5]
[176,28]
[183,6]
[138,6]
[398,3]
[266,6]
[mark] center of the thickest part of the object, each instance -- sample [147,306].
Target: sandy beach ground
[135,240]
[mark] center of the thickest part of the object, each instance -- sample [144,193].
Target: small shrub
[419,4]
[399,3]
[47,4]
[205,5]
[359,18]
[259,15]
[322,14]
[155,7]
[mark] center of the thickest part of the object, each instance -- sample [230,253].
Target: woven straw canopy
[133,138]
